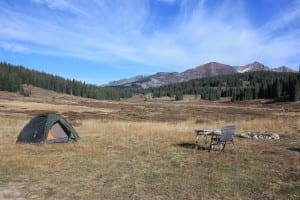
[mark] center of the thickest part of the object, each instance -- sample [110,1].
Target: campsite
[149,99]
[137,149]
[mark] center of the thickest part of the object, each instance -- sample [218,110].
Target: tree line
[246,86]
[12,78]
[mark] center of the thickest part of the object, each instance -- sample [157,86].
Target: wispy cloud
[167,1]
[14,47]
[118,31]
[62,5]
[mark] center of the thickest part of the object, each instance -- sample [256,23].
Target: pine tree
[278,88]
[297,92]
[178,96]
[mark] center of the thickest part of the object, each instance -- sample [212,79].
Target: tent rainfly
[47,128]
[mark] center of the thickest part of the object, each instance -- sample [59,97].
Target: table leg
[196,143]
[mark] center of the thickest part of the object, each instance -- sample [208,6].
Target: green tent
[47,128]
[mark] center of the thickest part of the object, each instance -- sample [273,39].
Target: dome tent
[47,128]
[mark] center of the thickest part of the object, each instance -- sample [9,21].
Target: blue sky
[98,41]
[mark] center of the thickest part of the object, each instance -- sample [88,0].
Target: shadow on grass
[277,100]
[192,146]
[294,149]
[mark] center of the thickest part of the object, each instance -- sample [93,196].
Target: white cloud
[62,5]
[167,1]
[14,47]
[117,31]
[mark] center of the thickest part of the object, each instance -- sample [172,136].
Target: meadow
[137,149]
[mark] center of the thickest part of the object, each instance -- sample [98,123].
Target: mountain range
[202,71]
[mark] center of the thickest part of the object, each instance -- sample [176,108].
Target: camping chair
[227,133]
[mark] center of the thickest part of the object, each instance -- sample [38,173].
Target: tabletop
[208,132]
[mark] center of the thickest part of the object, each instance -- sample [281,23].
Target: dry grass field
[136,149]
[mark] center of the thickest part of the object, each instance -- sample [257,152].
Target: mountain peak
[208,69]
[201,71]
[283,69]
[255,66]
[256,63]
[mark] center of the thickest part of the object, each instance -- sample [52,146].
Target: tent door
[57,134]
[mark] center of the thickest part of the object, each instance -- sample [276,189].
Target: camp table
[205,133]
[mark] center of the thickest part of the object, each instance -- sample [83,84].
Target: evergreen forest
[246,86]
[13,77]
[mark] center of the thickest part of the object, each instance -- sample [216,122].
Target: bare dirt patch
[13,191]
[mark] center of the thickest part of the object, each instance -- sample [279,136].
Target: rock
[34,196]
[252,134]
[275,136]
[245,135]
[261,136]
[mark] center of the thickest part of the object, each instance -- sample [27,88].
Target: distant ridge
[201,71]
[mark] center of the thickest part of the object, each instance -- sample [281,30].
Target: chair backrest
[227,133]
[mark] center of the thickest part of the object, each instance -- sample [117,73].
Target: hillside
[283,86]
[206,70]
[13,77]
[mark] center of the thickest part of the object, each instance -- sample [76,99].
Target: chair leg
[210,146]
[223,148]
[234,147]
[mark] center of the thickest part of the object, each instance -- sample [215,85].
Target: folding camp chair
[227,135]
